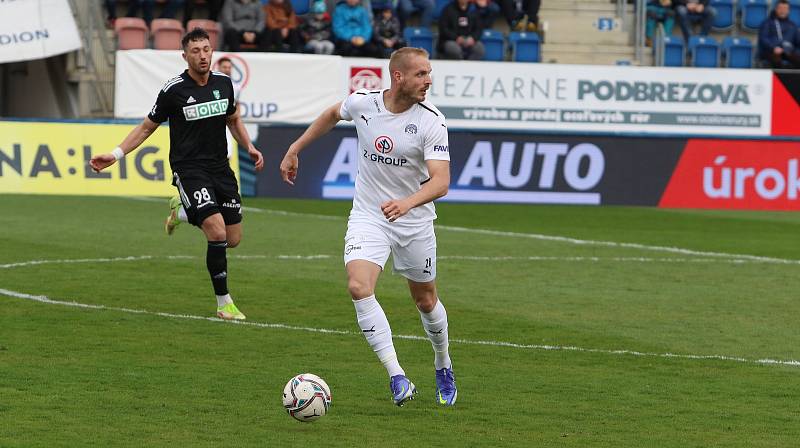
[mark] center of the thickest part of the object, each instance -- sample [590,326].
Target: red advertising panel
[736,174]
[369,78]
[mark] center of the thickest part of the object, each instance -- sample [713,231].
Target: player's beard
[200,69]
[414,94]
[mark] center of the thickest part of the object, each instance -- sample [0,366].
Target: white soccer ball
[306,397]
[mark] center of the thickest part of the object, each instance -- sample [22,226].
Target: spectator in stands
[426,9]
[659,12]
[487,10]
[692,11]
[459,32]
[243,23]
[516,12]
[214,6]
[169,8]
[352,30]
[778,39]
[316,30]
[225,65]
[387,34]
[282,32]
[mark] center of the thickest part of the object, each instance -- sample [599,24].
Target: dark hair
[781,1]
[194,35]
[224,59]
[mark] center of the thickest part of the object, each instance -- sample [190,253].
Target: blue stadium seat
[380,5]
[440,5]
[753,13]
[794,11]
[301,6]
[672,49]
[726,14]
[419,37]
[738,52]
[495,45]
[704,51]
[524,47]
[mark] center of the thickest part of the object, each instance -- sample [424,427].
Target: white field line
[155,257]
[441,257]
[608,259]
[575,241]
[553,238]
[763,361]
[563,239]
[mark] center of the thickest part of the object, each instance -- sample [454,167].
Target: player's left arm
[236,125]
[434,188]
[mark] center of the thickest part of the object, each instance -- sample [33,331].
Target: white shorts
[413,253]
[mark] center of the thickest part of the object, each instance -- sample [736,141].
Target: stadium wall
[52,158]
[289,88]
[531,168]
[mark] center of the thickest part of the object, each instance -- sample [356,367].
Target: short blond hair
[399,57]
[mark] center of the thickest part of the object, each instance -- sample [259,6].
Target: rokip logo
[752,175]
[384,144]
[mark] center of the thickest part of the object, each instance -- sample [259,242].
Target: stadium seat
[495,45]
[726,14]
[672,51]
[738,52]
[704,51]
[131,33]
[440,5]
[524,47]
[419,37]
[794,11]
[301,6]
[753,13]
[380,5]
[167,34]
[211,27]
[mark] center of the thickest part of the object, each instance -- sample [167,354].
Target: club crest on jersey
[384,144]
[216,94]
[411,129]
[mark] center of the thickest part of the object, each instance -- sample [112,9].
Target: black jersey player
[199,104]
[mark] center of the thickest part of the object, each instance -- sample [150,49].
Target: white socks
[435,324]
[223,300]
[375,327]
[182,215]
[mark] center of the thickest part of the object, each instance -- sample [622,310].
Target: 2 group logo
[384,144]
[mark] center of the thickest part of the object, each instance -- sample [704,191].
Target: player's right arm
[321,126]
[135,138]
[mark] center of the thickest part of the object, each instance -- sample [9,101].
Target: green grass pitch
[635,327]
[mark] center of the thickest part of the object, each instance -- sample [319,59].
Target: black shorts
[206,192]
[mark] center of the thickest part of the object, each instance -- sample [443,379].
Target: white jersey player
[403,165]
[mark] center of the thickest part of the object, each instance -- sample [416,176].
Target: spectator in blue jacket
[691,11]
[778,38]
[352,29]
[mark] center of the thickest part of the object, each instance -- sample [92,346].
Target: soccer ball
[306,397]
